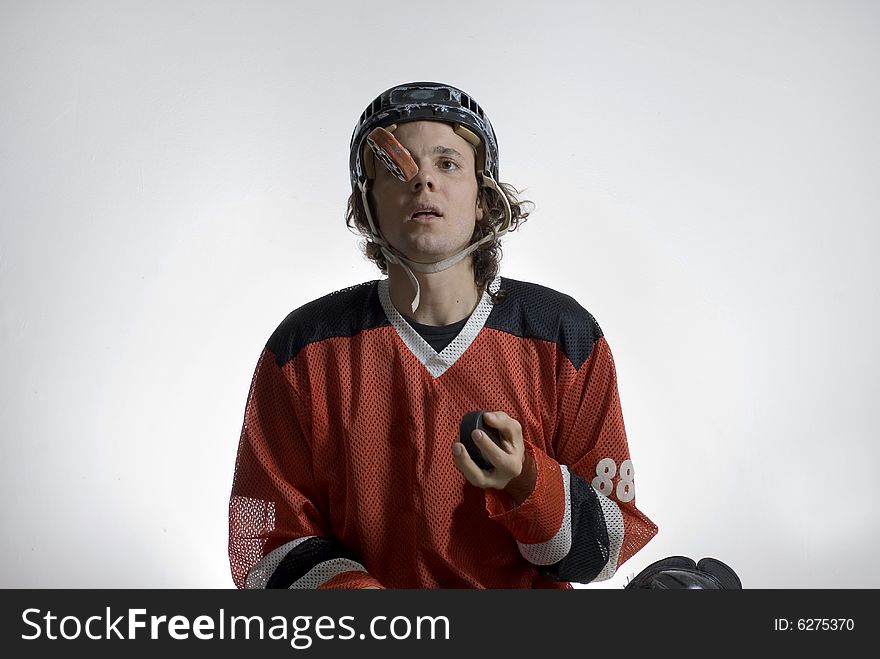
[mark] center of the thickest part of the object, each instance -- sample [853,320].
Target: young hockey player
[350,472]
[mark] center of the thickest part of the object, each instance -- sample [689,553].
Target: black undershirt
[437,336]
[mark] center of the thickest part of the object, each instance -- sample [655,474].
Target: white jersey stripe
[556,548]
[263,570]
[323,572]
[438,363]
[614,524]
[260,574]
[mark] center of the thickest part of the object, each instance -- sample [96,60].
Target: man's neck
[445,297]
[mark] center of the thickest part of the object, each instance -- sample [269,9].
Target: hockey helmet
[423,101]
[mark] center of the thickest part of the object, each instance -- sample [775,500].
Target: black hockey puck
[474,421]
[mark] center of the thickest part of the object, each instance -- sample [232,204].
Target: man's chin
[425,255]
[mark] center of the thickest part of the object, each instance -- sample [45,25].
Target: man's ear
[480,212]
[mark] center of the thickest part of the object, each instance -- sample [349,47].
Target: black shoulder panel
[343,313]
[537,312]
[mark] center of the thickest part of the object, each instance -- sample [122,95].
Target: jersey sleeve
[580,522]
[278,537]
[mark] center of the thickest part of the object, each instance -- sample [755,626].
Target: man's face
[446,181]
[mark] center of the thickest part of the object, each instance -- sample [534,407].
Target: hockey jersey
[344,476]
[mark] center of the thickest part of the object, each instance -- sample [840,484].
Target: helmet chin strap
[394,255]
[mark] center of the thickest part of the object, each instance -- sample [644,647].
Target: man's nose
[422,178]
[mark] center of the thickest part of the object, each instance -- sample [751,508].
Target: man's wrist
[520,488]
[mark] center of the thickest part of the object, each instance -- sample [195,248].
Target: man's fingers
[506,425]
[506,460]
[465,465]
[507,456]
[490,450]
[496,419]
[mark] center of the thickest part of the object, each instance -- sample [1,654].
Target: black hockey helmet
[424,101]
[682,573]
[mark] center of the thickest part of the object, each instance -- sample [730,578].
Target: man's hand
[513,472]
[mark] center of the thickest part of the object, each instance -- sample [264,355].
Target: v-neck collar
[437,363]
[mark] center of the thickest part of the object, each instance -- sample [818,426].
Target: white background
[173,178]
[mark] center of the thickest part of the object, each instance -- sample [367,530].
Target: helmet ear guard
[475,141]
[491,184]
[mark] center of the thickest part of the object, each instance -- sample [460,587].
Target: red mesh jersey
[344,476]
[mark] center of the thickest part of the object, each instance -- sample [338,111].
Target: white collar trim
[438,363]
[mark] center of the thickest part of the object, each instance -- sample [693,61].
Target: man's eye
[448,164]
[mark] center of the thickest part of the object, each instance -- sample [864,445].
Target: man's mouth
[425,213]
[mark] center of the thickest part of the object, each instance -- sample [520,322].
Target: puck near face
[393,154]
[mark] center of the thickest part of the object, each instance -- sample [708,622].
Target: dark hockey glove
[681,573]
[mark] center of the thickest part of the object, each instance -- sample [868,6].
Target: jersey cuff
[540,516]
